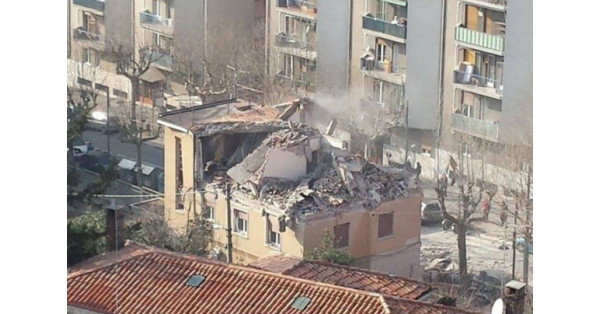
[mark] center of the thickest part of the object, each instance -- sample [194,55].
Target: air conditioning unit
[168,22]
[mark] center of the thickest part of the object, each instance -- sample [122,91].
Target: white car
[80,147]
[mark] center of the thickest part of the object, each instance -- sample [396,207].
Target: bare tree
[469,198]
[134,130]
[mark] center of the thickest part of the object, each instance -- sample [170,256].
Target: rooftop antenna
[498,307]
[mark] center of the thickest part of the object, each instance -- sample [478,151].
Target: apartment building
[177,43]
[480,86]
[289,185]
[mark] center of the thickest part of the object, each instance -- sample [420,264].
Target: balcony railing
[385,27]
[92,4]
[81,34]
[479,39]
[159,58]
[481,84]
[309,5]
[149,18]
[292,41]
[479,128]
[495,2]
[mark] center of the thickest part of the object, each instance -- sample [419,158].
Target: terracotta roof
[154,281]
[345,276]
[404,306]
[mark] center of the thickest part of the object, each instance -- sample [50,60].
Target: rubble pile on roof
[339,178]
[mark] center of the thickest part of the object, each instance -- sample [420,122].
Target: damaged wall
[284,164]
[177,219]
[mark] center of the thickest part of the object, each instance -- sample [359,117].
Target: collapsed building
[288,185]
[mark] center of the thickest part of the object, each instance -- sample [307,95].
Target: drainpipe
[229,244]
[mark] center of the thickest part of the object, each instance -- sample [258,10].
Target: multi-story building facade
[480,84]
[177,44]
[288,188]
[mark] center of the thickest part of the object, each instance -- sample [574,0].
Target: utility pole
[515,239]
[229,244]
[107,130]
[527,229]
[406,134]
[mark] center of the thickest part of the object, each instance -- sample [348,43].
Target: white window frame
[380,53]
[87,56]
[211,211]
[238,220]
[277,237]
[156,7]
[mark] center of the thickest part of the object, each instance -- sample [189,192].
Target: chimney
[115,227]
[514,297]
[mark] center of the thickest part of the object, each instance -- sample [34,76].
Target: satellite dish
[498,307]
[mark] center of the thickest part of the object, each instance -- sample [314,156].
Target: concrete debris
[327,179]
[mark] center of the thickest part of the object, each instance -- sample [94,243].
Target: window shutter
[273,223]
[242,215]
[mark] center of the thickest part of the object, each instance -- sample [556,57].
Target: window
[87,56]
[119,93]
[288,66]
[156,7]
[273,235]
[386,225]
[380,52]
[208,213]
[101,88]
[241,222]
[341,235]
[178,163]
[178,174]
[168,13]
[84,82]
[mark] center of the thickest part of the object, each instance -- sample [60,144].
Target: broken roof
[339,177]
[150,280]
[228,111]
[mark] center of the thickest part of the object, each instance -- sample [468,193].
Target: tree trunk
[462,249]
[135,96]
[138,145]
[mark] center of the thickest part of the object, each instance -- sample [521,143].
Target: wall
[178,219]
[248,248]
[333,48]
[77,69]
[423,57]
[516,125]
[76,310]
[358,45]
[190,20]
[284,164]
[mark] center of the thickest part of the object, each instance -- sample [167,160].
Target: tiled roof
[148,280]
[346,276]
[404,306]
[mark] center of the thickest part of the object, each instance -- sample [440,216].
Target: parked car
[80,147]
[431,213]
[96,161]
[97,122]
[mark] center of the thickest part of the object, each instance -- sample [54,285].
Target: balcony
[385,71]
[395,31]
[478,84]
[156,23]
[498,5]
[480,128]
[290,44]
[159,58]
[479,40]
[297,84]
[302,8]
[88,39]
[97,5]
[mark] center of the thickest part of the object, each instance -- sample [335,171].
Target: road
[152,152]
[118,189]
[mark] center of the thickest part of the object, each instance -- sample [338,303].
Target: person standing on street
[486,209]
[418,170]
[503,213]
